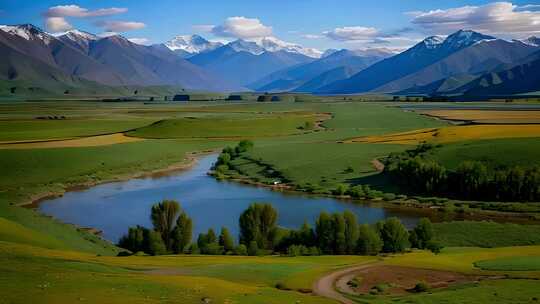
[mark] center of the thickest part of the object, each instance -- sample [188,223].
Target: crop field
[453,134]
[488,116]
[90,141]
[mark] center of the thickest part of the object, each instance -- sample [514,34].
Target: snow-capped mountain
[27,31]
[272,44]
[192,44]
[532,41]
[77,35]
[246,46]
[432,42]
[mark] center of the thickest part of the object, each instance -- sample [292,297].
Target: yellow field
[453,134]
[487,116]
[91,141]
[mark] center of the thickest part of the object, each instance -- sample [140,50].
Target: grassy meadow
[45,261]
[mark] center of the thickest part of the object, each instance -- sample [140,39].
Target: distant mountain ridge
[293,78]
[77,57]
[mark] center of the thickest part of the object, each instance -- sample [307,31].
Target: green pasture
[518,263]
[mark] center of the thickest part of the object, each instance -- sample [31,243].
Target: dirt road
[326,286]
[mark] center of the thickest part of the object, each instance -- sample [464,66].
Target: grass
[494,153]
[486,234]
[64,277]
[454,134]
[268,125]
[524,263]
[37,129]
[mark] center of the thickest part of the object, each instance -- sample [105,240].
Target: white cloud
[203,28]
[120,26]
[81,12]
[141,41]
[494,18]
[312,36]
[352,33]
[242,27]
[57,24]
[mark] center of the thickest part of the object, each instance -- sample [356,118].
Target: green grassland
[494,153]
[486,234]
[521,263]
[45,261]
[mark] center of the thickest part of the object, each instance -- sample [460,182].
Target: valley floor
[45,261]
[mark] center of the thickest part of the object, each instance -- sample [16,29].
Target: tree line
[471,180]
[333,234]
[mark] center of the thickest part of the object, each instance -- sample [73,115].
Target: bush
[241,250]
[420,287]
[434,246]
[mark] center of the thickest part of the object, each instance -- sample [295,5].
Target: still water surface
[114,207]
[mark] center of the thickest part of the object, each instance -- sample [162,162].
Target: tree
[325,233]
[225,240]
[471,176]
[351,232]
[369,242]
[340,243]
[163,215]
[244,146]
[394,235]
[208,243]
[154,243]
[211,236]
[258,223]
[134,240]
[423,232]
[182,233]
[253,248]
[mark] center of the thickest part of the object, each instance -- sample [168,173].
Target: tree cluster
[171,233]
[333,234]
[471,180]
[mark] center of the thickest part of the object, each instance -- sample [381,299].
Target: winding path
[327,285]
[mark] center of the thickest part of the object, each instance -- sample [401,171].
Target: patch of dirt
[90,141]
[399,280]
[377,165]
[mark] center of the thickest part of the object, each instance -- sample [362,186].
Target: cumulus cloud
[142,41]
[57,24]
[493,18]
[242,27]
[55,16]
[120,26]
[352,33]
[81,12]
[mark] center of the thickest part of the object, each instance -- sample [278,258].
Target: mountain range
[465,62]
[436,65]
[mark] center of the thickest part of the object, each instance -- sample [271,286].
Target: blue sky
[317,23]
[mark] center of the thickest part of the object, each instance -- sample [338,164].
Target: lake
[113,207]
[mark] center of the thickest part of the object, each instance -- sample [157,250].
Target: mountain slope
[31,55]
[423,54]
[232,62]
[294,77]
[522,78]
[478,58]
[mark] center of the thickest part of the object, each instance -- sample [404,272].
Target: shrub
[420,287]
[241,250]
